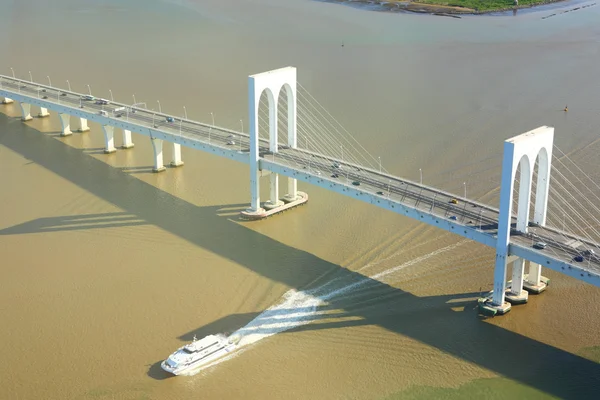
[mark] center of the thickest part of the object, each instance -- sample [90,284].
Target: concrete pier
[26,112]
[262,213]
[157,146]
[534,282]
[109,139]
[176,156]
[65,121]
[292,193]
[514,293]
[82,125]
[274,201]
[43,112]
[127,143]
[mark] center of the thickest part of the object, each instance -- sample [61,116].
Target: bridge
[513,236]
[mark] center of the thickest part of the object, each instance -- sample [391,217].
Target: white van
[103,113]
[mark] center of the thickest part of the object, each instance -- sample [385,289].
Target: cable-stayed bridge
[336,162]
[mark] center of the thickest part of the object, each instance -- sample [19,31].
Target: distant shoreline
[451,8]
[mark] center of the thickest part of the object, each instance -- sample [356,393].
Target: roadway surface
[561,246]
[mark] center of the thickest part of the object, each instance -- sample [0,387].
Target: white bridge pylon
[521,150]
[273,83]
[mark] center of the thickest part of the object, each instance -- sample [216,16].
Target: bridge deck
[466,217]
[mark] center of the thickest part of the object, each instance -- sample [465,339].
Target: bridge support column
[65,121]
[516,294]
[127,143]
[6,100]
[534,281]
[109,139]
[292,193]
[26,111]
[176,156]
[274,198]
[82,125]
[43,112]
[157,146]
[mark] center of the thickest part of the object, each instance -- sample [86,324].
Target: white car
[231,143]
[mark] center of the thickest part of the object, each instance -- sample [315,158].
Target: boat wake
[298,308]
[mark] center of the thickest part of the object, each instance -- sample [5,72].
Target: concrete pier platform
[486,307]
[535,289]
[520,298]
[264,213]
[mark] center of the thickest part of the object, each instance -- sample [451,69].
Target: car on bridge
[578,258]
[102,102]
[453,217]
[539,245]
[119,111]
[335,176]
[380,193]
[169,119]
[590,254]
[231,143]
[336,165]
[356,183]
[453,201]
[87,97]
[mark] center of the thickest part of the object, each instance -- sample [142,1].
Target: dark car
[578,258]
[170,119]
[44,97]
[453,217]
[356,183]
[380,193]
[63,94]
[335,176]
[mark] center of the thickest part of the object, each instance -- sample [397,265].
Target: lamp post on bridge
[13,72]
[159,108]
[465,185]
[89,90]
[480,219]
[342,148]
[240,137]
[379,164]
[213,124]
[30,77]
[421,175]
[111,95]
[185,112]
[69,85]
[134,102]
[49,81]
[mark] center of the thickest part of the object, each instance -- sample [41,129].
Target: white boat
[197,353]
